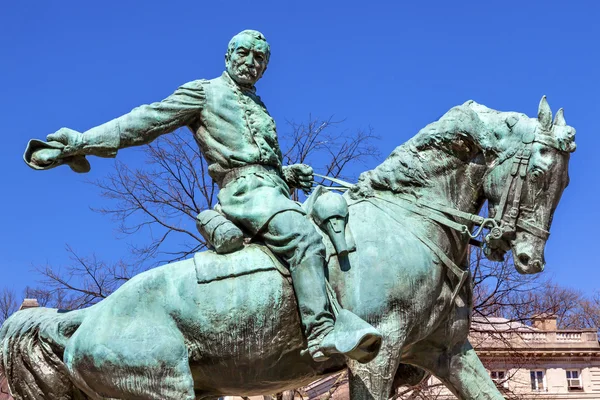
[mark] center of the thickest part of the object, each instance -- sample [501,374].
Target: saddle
[231,249]
[234,256]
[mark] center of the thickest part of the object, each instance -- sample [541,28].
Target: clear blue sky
[393,65]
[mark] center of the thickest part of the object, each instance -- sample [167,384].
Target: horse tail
[32,344]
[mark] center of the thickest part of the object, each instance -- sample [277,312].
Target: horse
[164,335]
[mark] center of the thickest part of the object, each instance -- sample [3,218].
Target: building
[540,360]
[526,362]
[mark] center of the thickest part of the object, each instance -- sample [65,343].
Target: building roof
[29,303]
[499,324]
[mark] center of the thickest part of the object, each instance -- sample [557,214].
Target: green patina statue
[224,322]
[237,137]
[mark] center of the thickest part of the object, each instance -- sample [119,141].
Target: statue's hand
[72,140]
[65,146]
[45,157]
[299,176]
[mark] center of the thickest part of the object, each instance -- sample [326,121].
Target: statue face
[248,61]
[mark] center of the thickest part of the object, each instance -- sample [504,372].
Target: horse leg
[409,375]
[461,371]
[467,377]
[143,358]
[374,380]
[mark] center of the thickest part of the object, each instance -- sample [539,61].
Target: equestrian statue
[290,292]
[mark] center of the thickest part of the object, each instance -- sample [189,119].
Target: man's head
[247,57]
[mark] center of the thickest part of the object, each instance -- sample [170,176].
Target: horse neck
[445,162]
[454,181]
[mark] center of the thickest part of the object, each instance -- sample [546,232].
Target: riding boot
[348,335]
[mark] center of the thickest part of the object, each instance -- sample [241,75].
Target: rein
[502,226]
[460,273]
[506,220]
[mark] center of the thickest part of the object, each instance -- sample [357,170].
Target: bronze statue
[221,324]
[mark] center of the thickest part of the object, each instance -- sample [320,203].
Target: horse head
[525,183]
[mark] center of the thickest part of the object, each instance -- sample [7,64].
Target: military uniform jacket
[233,129]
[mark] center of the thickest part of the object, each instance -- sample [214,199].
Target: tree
[8,304]
[571,307]
[160,202]
[162,199]
[81,283]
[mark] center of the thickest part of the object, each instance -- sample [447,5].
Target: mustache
[244,69]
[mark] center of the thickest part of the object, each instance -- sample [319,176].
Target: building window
[574,380]
[499,378]
[538,380]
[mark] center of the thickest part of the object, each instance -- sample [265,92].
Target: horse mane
[462,129]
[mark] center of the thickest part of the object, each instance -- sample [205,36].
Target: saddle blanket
[211,266]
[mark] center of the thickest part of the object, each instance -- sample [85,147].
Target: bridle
[501,227]
[506,220]
[507,217]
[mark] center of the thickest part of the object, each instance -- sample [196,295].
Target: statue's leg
[292,237]
[374,380]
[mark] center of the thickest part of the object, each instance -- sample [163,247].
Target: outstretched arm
[140,126]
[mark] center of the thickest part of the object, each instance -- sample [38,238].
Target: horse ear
[559,118]
[545,114]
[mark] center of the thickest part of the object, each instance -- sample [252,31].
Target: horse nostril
[524,259]
[537,265]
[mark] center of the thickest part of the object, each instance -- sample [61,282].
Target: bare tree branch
[8,304]
[318,143]
[163,198]
[83,282]
[156,204]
